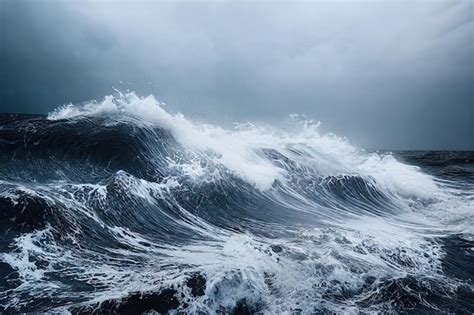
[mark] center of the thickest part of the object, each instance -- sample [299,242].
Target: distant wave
[117,203]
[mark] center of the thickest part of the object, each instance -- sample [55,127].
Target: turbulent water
[121,207]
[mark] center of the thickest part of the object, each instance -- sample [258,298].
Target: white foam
[234,149]
[239,150]
[396,176]
[237,266]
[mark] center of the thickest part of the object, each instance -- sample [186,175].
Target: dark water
[113,209]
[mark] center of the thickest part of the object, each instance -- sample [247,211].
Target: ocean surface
[119,206]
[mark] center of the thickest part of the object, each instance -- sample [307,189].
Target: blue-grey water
[122,207]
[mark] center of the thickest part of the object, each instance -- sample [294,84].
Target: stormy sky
[388,74]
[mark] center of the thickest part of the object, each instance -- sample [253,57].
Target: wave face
[119,206]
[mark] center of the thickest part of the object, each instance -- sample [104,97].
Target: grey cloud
[388,75]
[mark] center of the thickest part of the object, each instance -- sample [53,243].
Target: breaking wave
[119,205]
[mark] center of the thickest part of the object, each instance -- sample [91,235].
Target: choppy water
[121,207]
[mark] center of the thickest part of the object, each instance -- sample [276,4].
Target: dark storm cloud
[51,56]
[390,74]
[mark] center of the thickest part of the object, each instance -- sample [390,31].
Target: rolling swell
[120,206]
[32,145]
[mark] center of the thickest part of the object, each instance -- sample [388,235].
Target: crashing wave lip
[240,150]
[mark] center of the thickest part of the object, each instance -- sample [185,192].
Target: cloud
[385,74]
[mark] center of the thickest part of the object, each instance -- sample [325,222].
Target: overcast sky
[386,74]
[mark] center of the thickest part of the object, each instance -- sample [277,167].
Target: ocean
[119,206]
